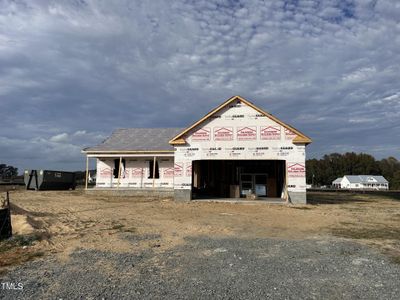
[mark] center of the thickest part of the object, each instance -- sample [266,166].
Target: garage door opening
[238,178]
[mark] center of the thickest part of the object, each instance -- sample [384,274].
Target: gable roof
[301,138]
[136,140]
[337,180]
[364,178]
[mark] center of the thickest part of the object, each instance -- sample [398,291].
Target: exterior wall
[345,183]
[136,173]
[239,132]
[298,197]
[132,192]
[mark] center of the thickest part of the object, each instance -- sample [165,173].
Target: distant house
[337,183]
[364,182]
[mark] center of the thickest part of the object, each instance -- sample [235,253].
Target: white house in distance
[363,182]
[235,150]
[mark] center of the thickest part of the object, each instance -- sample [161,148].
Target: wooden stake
[154,171]
[87,172]
[119,170]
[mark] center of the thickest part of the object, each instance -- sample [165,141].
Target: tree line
[319,172]
[7,172]
[323,171]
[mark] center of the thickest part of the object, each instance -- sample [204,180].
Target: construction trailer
[49,180]
[235,151]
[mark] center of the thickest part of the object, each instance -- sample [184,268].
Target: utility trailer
[49,180]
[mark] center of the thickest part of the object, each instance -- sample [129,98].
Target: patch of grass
[339,197]
[316,198]
[87,221]
[19,257]
[130,229]
[117,226]
[369,233]
[13,251]
[301,207]
[395,259]
[18,241]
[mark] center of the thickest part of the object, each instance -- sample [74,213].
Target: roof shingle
[137,139]
[365,178]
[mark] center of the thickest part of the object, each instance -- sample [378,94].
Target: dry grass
[353,231]
[367,218]
[18,250]
[72,219]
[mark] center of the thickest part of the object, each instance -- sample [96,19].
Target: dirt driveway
[119,240]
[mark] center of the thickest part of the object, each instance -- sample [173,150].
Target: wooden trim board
[300,138]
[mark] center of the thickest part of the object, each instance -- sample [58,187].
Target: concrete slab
[243,201]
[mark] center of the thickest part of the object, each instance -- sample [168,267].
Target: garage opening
[238,178]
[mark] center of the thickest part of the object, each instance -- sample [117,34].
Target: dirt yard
[58,224]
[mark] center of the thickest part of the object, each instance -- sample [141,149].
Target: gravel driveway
[204,268]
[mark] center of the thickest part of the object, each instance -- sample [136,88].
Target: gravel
[203,268]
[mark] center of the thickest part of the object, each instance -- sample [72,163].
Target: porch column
[119,171]
[87,172]
[154,171]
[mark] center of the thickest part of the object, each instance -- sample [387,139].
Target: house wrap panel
[240,132]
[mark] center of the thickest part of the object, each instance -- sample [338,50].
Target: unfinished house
[236,151]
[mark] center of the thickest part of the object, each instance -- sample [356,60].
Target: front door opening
[237,178]
[253,183]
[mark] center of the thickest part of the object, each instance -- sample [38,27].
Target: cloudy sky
[72,71]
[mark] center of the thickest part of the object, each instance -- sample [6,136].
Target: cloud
[62,137]
[62,151]
[73,69]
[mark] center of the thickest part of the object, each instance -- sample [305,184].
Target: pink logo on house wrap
[296,170]
[168,172]
[203,134]
[137,172]
[289,135]
[106,172]
[223,133]
[246,133]
[189,170]
[270,133]
[178,169]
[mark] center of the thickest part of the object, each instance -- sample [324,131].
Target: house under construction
[237,150]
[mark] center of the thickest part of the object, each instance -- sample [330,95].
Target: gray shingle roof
[364,178]
[337,180]
[138,139]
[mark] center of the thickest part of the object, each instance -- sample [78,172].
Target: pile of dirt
[21,225]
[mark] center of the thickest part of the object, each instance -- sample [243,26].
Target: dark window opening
[116,167]
[151,167]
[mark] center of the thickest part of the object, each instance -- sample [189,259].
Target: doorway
[237,178]
[253,183]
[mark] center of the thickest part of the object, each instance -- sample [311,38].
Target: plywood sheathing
[301,138]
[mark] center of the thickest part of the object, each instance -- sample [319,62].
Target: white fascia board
[133,155]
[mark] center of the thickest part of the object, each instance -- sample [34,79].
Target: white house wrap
[236,150]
